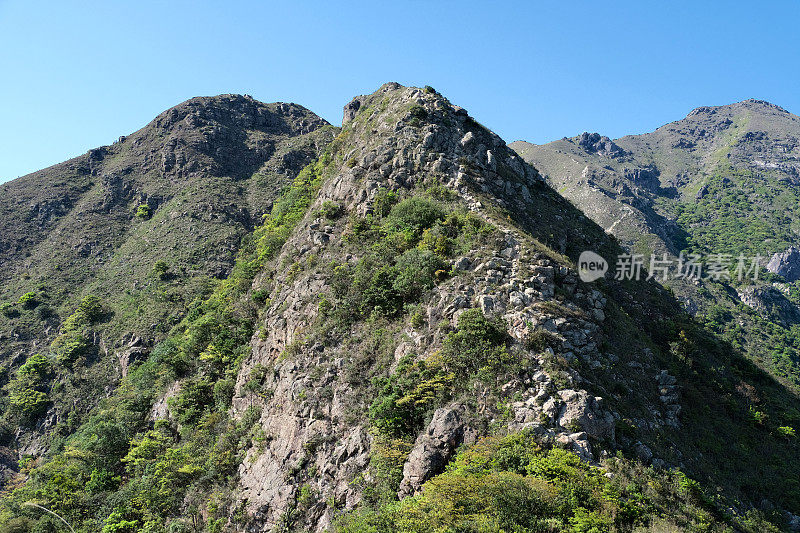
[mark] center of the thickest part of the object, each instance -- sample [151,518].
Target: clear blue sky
[76,75]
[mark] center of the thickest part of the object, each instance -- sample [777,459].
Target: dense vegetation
[512,484]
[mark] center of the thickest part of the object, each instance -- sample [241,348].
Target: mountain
[723,180]
[145,225]
[404,343]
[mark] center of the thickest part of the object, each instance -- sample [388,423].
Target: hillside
[723,180]
[145,225]
[404,344]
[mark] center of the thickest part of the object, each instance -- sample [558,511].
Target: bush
[414,215]
[29,300]
[384,200]
[330,210]
[512,484]
[30,403]
[416,271]
[479,343]
[9,310]
[161,269]
[27,392]
[143,211]
[74,340]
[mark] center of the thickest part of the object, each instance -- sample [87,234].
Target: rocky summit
[241,318]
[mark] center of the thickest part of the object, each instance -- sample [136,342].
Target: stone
[486,303]
[432,449]
[786,264]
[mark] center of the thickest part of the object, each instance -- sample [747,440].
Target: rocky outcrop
[786,264]
[396,138]
[770,302]
[601,145]
[434,447]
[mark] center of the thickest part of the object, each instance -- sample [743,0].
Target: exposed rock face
[786,264]
[601,145]
[433,449]
[770,302]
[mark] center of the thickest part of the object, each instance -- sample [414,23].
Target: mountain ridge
[410,301]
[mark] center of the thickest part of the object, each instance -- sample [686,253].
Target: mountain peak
[751,104]
[236,110]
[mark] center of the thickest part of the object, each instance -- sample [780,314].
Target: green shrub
[143,211]
[418,114]
[30,403]
[74,340]
[404,398]
[29,300]
[512,484]
[384,200]
[479,343]
[9,310]
[27,392]
[330,210]
[414,215]
[415,273]
[37,368]
[161,269]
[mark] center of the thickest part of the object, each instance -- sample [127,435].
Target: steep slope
[140,228]
[723,180]
[411,301]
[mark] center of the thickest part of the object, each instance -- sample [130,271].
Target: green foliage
[9,310]
[418,114]
[384,200]
[116,474]
[413,215]
[513,484]
[477,349]
[161,269]
[143,211]
[740,212]
[28,391]
[404,398]
[330,210]
[478,345]
[29,300]
[75,340]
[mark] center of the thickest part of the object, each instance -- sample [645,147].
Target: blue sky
[76,75]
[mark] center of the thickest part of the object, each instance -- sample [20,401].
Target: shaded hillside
[404,344]
[723,180]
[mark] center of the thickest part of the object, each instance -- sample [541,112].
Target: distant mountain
[637,186]
[242,319]
[723,180]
